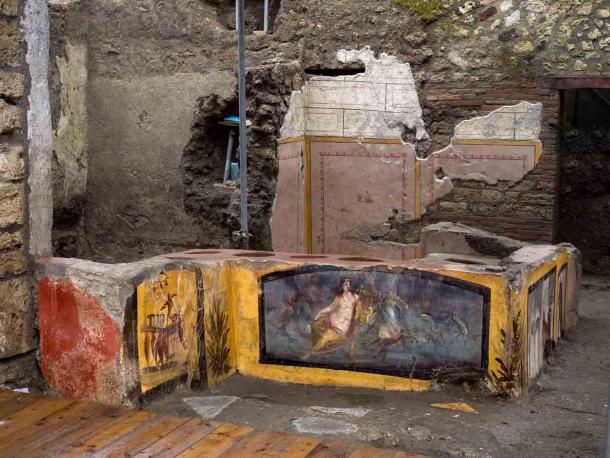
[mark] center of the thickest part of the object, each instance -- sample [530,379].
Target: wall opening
[348,71]
[584,190]
[203,164]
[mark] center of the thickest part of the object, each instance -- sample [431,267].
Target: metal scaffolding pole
[243,234]
[266,17]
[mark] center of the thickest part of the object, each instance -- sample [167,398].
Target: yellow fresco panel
[219,328]
[167,328]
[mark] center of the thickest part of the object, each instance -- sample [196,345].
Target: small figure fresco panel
[407,323]
[540,321]
[167,328]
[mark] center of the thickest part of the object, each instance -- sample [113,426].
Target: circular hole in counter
[203,252]
[309,256]
[360,259]
[467,261]
[254,254]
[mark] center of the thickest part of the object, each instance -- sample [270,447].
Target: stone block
[12,255]
[9,117]
[20,371]
[458,238]
[11,85]
[9,8]
[467,195]
[487,13]
[11,162]
[10,241]
[402,98]
[294,122]
[454,206]
[17,334]
[12,262]
[491,195]
[11,37]
[11,204]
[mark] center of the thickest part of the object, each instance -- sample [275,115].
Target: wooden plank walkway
[42,426]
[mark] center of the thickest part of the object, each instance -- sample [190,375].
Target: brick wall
[18,338]
[523,210]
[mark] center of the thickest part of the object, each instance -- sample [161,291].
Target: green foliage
[217,339]
[428,10]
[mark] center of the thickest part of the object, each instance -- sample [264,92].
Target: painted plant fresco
[509,373]
[167,328]
[407,323]
[540,321]
[217,340]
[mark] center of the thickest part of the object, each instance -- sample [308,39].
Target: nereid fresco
[167,328]
[401,323]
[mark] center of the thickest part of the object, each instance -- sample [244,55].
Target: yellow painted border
[418,251]
[282,141]
[560,264]
[417,188]
[535,143]
[307,218]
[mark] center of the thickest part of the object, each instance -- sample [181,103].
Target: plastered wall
[344,178]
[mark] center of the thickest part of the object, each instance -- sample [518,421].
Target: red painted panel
[79,343]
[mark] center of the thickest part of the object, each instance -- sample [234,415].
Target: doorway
[584,184]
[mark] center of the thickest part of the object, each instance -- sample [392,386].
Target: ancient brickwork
[523,210]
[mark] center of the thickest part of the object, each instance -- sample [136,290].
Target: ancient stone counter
[200,316]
